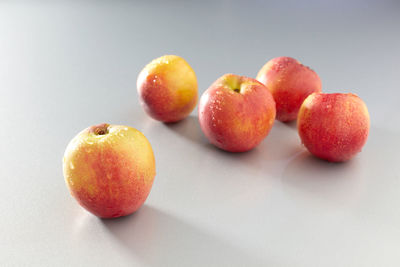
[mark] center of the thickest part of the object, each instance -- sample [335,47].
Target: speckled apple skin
[333,127]
[109,175]
[234,121]
[290,82]
[167,88]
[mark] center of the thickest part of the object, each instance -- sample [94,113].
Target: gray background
[67,65]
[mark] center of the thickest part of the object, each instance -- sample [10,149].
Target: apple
[290,82]
[333,127]
[109,169]
[167,88]
[236,113]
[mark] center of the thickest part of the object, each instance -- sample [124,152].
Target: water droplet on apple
[71,165]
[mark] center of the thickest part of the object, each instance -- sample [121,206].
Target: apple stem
[100,129]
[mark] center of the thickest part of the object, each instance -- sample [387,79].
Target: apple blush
[290,82]
[333,127]
[236,113]
[109,169]
[167,88]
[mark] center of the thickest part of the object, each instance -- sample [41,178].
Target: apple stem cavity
[100,129]
[233,82]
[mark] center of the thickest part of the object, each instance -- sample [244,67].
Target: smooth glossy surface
[236,113]
[333,127]
[69,65]
[167,88]
[109,169]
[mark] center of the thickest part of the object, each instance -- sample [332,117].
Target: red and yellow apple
[290,82]
[167,87]
[333,127]
[236,113]
[109,169]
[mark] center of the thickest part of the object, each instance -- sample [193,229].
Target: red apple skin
[236,121]
[167,88]
[290,82]
[109,174]
[333,127]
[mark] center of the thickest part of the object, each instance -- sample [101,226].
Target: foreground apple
[236,113]
[333,127]
[109,169]
[167,87]
[290,82]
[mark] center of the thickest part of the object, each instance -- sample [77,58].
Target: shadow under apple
[317,180]
[290,124]
[188,128]
[279,145]
[162,239]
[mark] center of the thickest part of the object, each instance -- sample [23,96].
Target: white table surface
[67,65]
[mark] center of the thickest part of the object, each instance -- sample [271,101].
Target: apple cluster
[110,169]
[236,112]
